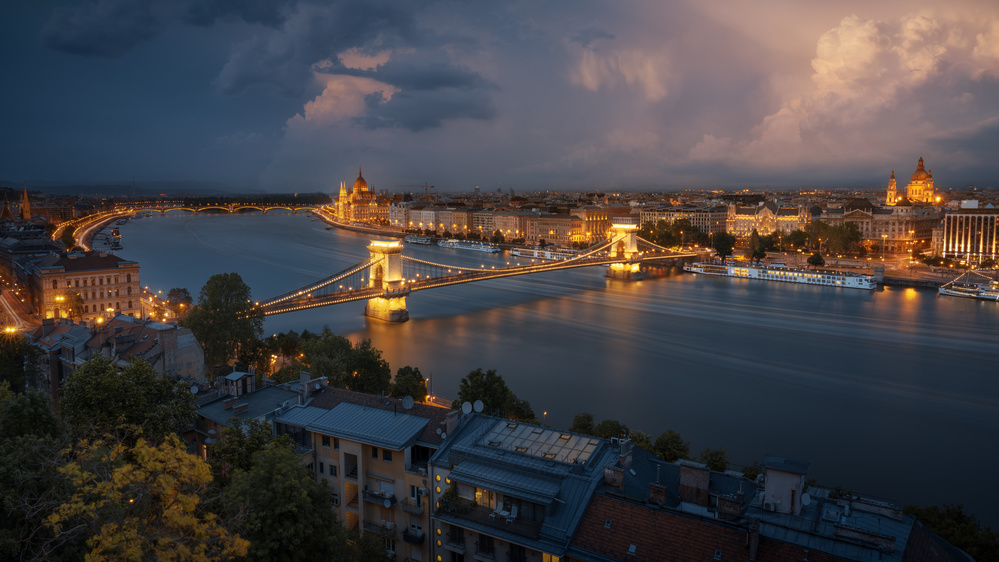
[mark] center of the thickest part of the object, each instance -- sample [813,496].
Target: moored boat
[787,274]
[414,239]
[972,285]
[469,245]
[538,252]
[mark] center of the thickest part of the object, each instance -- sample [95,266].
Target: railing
[410,506]
[379,498]
[484,553]
[455,543]
[385,529]
[351,472]
[413,537]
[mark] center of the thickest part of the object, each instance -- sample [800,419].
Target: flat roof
[541,442]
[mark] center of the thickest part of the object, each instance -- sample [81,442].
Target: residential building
[507,490]
[560,230]
[705,219]
[899,228]
[373,452]
[108,285]
[595,222]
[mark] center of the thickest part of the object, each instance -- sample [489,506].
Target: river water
[892,393]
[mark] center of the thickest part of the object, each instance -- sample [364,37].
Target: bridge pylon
[624,245]
[386,274]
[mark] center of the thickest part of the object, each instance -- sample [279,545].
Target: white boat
[469,245]
[979,287]
[545,253]
[786,274]
[414,239]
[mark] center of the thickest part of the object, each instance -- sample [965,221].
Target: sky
[295,95]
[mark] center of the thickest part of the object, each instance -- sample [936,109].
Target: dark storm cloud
[422,110]
[285,58]
[107,28]
[588,36]
[266,12]
[417,73]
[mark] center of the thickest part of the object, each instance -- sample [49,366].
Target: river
[891,393]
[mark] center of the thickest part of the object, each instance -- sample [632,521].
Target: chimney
[625,456]
[657,493]
[614,476]
[48,325]
[228,403]
[240,409]
[753,539]
[303,386]
[694,481]
[453,420]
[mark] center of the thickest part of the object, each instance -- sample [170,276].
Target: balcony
[455,544]
[410,506]
[484,553]
[379,498]
[385,528]
[480,514]
[413,536]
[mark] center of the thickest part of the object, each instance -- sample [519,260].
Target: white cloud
[342,98]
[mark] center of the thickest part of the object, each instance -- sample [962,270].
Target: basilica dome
[920,173]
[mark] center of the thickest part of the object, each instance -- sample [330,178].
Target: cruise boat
[980,287]
[786,274]
[537,252]
[414,239]
[469,245]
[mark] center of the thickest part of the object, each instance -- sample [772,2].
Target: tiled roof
[91,261]
[331,397]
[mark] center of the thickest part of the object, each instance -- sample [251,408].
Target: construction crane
[426,189]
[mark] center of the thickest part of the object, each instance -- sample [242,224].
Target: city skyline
[294,95]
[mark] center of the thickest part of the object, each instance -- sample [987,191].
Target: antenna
[407,402]
[466,407]
[478,406]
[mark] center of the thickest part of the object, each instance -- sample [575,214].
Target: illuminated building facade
[361,204]
[970,234]
[103,281]
[705,219]
[920,188]
[765,218]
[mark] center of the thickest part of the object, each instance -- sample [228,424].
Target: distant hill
[148,188]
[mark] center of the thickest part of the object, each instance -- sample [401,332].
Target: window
[117,306]
[109,279]
[332,470]
[78,283]
[387,455]
[326,441]
[55,284]
[321,468]
[128,277]
[336,444]
[374,452]
[86,308]
[129,290]
[100,280]
[129,304]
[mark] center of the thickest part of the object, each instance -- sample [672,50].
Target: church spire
[25,205]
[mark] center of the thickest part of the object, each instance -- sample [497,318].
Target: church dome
[361,185]
[920,173]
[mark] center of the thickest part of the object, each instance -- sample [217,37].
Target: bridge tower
[386,274]
[624,245]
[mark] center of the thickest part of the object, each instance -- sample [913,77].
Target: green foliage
[641,439]
[225,320]
[756,249]
[285,513]
[409,381]
[179,300]
[99,400]
[67,237]
[497,237]
[723,243]
[752,470]
[671,447]
[716,459]
[72,304]
[238,443]
[610,428]
[959,529]
[497,398]
[17,361]
[816,260]
[583,423]
[797,239]
[29,414]
[355,367]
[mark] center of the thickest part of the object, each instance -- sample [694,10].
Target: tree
[73,304]
[752,470]
[225,320]
[610,428]
[723,243]
[238,443]
[67,237]
[409,381]
[17,361]
[497,237]
[31,414]
[583,423]
[756,250]
[797,239]
[716,459]
[285,513]
[816,260]
[142,503]
[671,447]
[99,400]
[179,301]
[959,529]
[496,397]
[641,439]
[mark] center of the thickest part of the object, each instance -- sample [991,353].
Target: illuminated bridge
[387,277]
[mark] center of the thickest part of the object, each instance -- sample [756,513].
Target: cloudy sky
[289,95]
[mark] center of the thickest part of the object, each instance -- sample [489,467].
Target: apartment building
[108,285]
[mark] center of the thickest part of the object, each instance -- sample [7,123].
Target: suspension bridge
[387,277]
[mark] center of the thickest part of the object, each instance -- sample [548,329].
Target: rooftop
[391,430]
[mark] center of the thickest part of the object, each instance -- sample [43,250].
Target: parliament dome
[361,185]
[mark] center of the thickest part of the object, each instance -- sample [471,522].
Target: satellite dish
[387,503]
[317,386]
[438,431]
[806,499]
[478,406]
[443,435]
[194,389]
[407,402]
[466,407]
